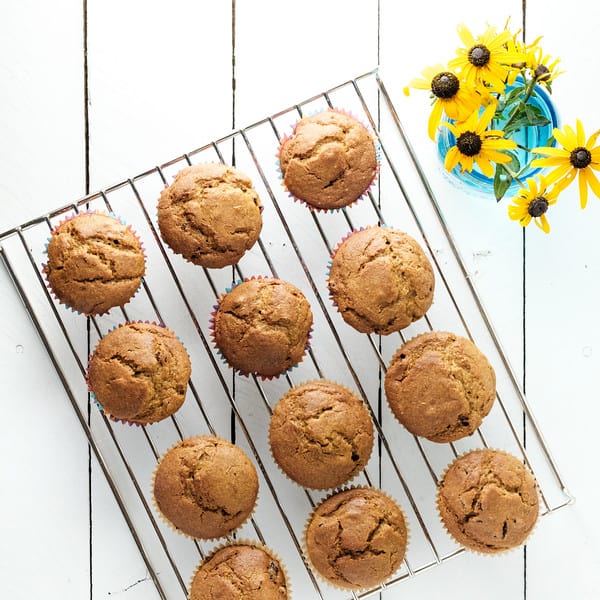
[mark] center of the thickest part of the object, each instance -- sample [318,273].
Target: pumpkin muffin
[321,434]
[241,571]
[380,280]
[356,538]
[262,326]
[329,161]
[95,263]
[488,501]
[205,487]
[210,214]
[440,386]
[139,373]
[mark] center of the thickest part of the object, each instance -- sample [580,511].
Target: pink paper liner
[74,216]
[93,396]
[220,354]
[288,136]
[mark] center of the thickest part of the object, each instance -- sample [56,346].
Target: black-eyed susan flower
[475,144]
[449,96]
[542,67]
[486,61]
[577,158]
[531,203]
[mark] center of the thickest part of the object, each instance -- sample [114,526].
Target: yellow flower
[533,202]
[540,66]
[486,61]
[576,158]
[475,144]
[450,96]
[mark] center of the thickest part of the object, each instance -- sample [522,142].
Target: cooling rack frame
[407,467]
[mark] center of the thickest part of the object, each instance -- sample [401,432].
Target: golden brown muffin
[380,280]
[440,386]
[321,434]
[488,501]
[241,571]
[210,214]
[139,373]
[356,538]
[262,326]
[205,487]
[329,161]
[94,263]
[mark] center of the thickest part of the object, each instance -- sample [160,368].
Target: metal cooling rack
[295,245]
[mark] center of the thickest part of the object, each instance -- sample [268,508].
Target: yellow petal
[593,182]
[552,161]
[548,151]
[580,133]
[559,172]
[466,37]
[485,165]
[452,158]
[434,119]
[543,224]
[583,189]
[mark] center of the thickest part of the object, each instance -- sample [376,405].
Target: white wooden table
[94,92]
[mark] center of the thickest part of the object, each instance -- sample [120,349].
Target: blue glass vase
[529,137]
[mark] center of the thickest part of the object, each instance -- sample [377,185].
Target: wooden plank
[159,86]
[44,466]
[563,328]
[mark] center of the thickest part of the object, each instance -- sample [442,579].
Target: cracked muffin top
[205,487]
[321,434]
[488,501]
[95,262]
[210,214]
[240,572]
[356,538]
[262,326]
[440,386]
[329,161]
[380,280]
[139,373]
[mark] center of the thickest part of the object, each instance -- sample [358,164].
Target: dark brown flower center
[479,55]
[469,143]
[542,73]
[580,158]
[445,85]
[538,207]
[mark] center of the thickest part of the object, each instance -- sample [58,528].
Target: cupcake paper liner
[494,553]
[223,358]
[93,396]
[288,136]
[245,542]
[45,265]
[309,520]
[357,474]
[170,524]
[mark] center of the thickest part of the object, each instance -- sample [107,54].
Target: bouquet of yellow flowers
[491,122]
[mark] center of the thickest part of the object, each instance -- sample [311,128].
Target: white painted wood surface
[160,83]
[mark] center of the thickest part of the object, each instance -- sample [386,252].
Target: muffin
[205,487]
[380,280]
[488,501]
[262,326]
[210,214]
[95,262]
[356,538]
[329,161]
[240,571]
[440,386]
[139,373]
[321,434]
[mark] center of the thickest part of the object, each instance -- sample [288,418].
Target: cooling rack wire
[295,245]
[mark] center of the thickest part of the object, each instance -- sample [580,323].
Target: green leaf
[514,166]
[502,181]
